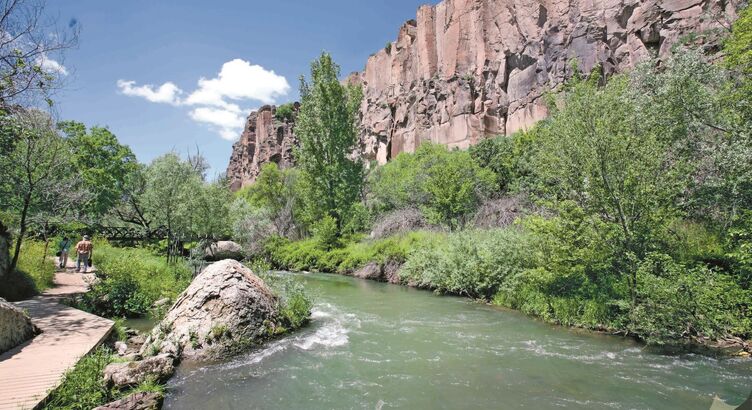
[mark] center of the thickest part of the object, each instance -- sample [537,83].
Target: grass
[38,265]
[83,386]
[309,255]
[155,278]
[132,280]
[34,273]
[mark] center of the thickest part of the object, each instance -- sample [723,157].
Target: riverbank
[370,342]
[505,267]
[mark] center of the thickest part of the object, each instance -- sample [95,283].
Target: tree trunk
[4,253]
[21,233]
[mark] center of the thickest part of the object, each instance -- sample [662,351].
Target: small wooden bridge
[29,372]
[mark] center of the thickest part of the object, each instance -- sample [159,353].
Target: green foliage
[293,303]
[447,185]
[83,386]
[133,279]
[676,303]
[101,161]
[331,181]
[170,185]
[738,56]
[309,255]
[36,264]
[325,232]
[508,157]
[285,112]
[472,263]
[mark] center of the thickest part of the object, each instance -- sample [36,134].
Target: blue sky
[145,44]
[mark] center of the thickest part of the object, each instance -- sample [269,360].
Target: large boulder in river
[224,308]
[15,326]
[224,250]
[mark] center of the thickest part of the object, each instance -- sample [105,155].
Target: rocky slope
[264,139]
[467,69]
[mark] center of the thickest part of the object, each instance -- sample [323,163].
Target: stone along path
[29,372]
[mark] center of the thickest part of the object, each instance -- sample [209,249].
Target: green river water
[377,346]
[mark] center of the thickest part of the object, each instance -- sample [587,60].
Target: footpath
[29,372]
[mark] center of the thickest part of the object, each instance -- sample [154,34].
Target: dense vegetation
[627,210]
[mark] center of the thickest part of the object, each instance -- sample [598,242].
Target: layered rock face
[467,69]
[464,70]
[264,139]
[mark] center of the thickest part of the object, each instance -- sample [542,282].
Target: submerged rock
[225,306]
[136,401]
[224,250]
[384,272]
[158,368]
[15,326]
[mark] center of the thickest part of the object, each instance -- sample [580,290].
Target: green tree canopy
[102,162]
[327,128]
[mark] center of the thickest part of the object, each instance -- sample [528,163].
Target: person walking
[62,251]
[83,250]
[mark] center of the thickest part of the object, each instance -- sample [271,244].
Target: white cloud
[239,80]
[227,122]
[51,66]
[216,99]
[166,93]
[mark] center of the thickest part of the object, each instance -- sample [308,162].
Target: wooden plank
[28,373]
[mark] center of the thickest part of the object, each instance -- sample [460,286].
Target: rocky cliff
[265,138]
[467,69]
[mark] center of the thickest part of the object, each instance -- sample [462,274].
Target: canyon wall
[467,69]
[265,138]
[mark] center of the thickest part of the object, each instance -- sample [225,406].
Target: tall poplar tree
[331,176]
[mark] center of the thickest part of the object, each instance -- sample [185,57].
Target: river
[377,346]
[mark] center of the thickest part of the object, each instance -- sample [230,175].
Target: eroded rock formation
[265,138]
[467,69]
[226,306]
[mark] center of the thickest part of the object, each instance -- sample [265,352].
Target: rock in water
[136,401]
[121,375]
[15,326]
[226,306]
[224,250]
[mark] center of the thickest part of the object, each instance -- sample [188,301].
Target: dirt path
[29,372]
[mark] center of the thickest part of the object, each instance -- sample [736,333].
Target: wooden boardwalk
[30,371]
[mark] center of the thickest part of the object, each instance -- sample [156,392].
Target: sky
[183,75]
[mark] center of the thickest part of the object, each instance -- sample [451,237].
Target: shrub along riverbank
[629,209]
[131,280]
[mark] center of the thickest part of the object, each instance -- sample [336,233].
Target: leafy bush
[285,112]
[325,232]
[677,303]
[310,256]
[294,304]
[446,185]
[132,280]
[471,263]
